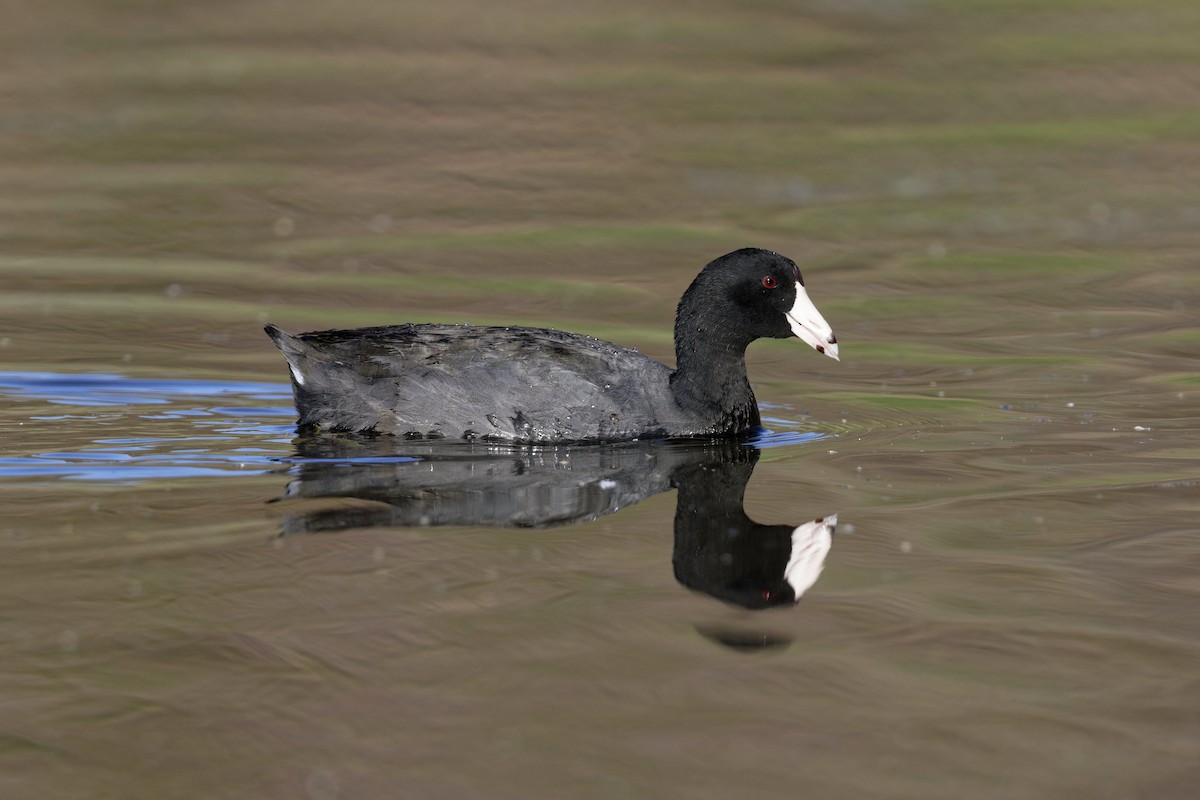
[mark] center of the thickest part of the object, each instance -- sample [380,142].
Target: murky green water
[994,206]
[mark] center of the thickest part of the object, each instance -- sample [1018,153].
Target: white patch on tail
[296,374]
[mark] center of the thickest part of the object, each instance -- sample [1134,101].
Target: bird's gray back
[465,382]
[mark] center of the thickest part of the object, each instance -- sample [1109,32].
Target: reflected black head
[718,549]
[732,558]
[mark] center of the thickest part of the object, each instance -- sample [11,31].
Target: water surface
[994,206]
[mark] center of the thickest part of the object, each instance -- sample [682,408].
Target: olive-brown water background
[995,204]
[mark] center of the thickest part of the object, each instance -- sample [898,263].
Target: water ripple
[241,436]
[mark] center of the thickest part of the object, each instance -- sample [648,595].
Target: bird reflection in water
[718,549]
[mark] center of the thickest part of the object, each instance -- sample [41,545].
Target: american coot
[534,385]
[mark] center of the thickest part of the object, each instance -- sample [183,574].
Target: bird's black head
[751,294]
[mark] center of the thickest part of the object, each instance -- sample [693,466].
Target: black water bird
[537,386]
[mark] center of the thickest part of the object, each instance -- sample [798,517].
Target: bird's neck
[711,383]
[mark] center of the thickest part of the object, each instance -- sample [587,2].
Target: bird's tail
[300,356]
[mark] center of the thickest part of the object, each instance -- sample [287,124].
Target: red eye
[769,281]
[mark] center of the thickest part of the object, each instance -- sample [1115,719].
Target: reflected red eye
[769,282]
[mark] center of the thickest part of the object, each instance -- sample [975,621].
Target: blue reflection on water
[781,432]
[102,389]
[236,437]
